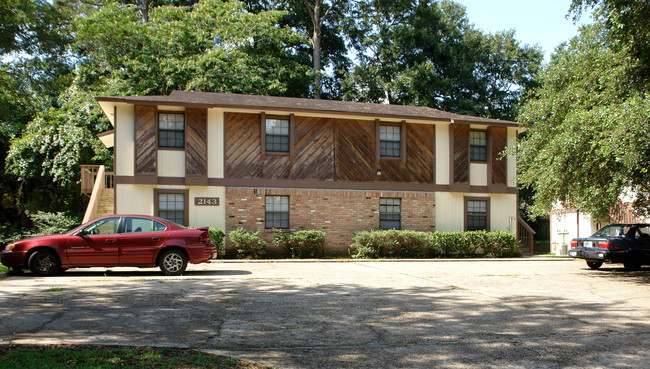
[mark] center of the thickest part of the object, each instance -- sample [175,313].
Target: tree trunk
[145,10]
[315,42]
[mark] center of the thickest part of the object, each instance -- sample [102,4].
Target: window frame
[263,150]
[390,213]
[159,130]
[485,148]
[466,201]
[267,212]
[186,202]
[402,140]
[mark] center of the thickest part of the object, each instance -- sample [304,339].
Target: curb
[474,260]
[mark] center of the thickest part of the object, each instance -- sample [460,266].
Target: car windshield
[613,230]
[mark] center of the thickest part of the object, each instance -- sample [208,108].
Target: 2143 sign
[206,201]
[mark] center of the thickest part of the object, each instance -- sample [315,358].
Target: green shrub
[301,244]
[247,244]
[43,224]
[412,244]
[216,237]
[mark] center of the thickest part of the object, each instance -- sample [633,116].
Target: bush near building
[301,244]
[413,244]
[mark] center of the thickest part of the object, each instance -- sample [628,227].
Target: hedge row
[413,244]
[381,244]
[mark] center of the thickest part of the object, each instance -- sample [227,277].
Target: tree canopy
[588,130]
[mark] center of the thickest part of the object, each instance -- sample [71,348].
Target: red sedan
[111,241]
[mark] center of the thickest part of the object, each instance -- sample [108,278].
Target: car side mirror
[81,233]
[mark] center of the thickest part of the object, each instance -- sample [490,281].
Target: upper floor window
[390,141]
[277,135]
[171,130]
[476,215]
[390,213]
[277,212]
[478,146]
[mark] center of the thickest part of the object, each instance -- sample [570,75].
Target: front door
[97,244]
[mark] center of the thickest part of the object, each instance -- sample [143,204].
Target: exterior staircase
[106,203]
[98,185]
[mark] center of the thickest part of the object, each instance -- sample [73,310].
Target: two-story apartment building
[257,162]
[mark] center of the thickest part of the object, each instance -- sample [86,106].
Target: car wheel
[172,262]
[632,262]
[44,263]
[594,264]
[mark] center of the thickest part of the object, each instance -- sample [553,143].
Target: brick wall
[338,213]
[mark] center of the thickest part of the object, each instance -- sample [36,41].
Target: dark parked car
[627,243]
[110,241]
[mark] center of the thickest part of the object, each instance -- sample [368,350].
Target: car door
[140,240]
[96,244]
[644,242]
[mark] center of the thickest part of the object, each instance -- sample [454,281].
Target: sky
[535,22]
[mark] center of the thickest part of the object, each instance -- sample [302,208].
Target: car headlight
[10,247]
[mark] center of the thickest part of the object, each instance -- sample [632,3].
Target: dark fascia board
[292,104]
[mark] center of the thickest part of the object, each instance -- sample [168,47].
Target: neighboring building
[228,161]
[567,224]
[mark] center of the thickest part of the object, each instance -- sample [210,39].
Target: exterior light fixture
[378,171]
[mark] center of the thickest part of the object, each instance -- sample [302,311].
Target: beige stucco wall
[442,154]
[450,211]
[139,199]
[512,160]
[215,143]
[125,140]
[171,163]
[478,174]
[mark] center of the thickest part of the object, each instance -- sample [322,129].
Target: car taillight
[604,245]
[574,243]
[204,237]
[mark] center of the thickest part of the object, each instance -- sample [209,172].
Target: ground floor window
[172,205]
[277,212]
[390,213]
[476,214]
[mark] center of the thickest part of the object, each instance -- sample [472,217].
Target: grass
[64,356]
[3,268]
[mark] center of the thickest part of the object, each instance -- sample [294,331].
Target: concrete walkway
[354,314]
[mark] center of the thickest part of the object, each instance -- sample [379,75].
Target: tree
[321,22]
[231,51]
[627,21]
[427,53]
[588,132]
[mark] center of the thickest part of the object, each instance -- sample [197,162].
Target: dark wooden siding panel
[355,151]
[145,140]
[460,161]
[418,164]
[314,149]
[498,138]
[196,146]
[243,146]
[420,152]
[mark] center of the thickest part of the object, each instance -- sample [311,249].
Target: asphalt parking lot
[354,314]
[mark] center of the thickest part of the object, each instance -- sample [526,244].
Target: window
[103,227]
[477,215]
[277,135]
[171,130]
[478,146]
[171,206]
[137,225]
[390,141]
[390,211]
[277,212]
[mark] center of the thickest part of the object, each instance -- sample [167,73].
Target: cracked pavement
[517,313]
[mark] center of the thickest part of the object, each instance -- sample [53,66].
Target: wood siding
[145,140]
[196,148]
[460,150]
[327,149]
[498,137]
